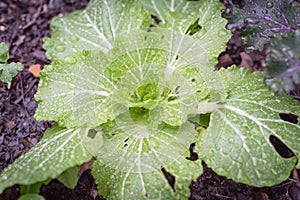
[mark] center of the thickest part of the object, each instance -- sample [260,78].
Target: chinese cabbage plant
[130,96]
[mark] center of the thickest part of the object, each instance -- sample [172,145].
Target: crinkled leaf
[172,99]
[94,28]
[58,150]
[75,92]
[8,71]
[114,184]
[3,52]
[180,51]
[142,144]
[237,141]
[198,18]
[259,21]
[181,12]
[78,90]
[133,154]
[283,63]
[178,64]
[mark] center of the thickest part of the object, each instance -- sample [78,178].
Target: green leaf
[3,52]
[283,63]
[168,99]
[8,71]
[259,21]
[237,141]
[185,16]
[94,28]
[34,188]
[75,92]
[134,151]
[181,12]
[58,150]
[31,197]
[69,177]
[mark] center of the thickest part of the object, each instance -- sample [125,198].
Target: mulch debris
[23,24]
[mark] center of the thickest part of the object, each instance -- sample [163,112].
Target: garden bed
[23,24]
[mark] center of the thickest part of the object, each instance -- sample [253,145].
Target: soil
[23,24]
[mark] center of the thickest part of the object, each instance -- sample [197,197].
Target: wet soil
[23,24]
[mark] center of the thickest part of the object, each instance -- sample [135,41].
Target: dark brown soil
[23,24]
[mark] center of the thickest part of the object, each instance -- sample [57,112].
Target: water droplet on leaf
[222,33]
[269,5]
[278,14]
[60,48]
[70,60]
[265,12]
[74,38]
[240,159]
[231,140]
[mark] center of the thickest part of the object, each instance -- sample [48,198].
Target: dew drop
[49,68]
[278,14]
[240,159]
[60,48]
[269,5]
[210,154]
[222,33]
[71,86]
[274,172]
[265,12]
[74,38]
[4,177]
[68,79]
[231,140]
[70,60]
[254,161]
[264,156]
[258,173]
[64,95]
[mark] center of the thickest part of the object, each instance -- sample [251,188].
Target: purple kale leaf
[258,20]
[283,63]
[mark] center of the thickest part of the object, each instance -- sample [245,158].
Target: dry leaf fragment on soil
[35,70]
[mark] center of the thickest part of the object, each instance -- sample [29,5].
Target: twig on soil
[226,197]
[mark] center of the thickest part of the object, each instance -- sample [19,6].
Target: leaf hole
[283,150]
[170,178]
[147,195]
[125,141]
[194,28]
[92,133]
[289,117]
[193,155]
[156,20]
[176,57]
[193,80]
[173,95]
